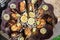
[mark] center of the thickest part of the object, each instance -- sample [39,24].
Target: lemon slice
[12,6]
[20,38]
[6,17]
[34,1]
[43,31]
[31,21]
[45,7]
[23,19]
[31,14]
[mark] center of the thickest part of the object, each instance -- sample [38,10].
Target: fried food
[16,27]
[28,31]
[14,16]
[41,24]
[22,6]
[20,38]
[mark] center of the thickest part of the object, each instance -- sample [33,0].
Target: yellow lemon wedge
[45,7]
[20,38]
[31,14]
[23,19]
[43,31]
[27,31]
[14,28]
[31,21]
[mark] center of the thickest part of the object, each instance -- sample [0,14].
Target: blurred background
[56,5]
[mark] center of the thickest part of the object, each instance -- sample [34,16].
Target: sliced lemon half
[31,21]
[45,7]
[23,19]
[43,31]
[31,14]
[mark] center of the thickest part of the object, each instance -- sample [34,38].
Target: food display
[43,30]
[45,7]
[31,21]
[31,14]
[23,19]
[21,38]
[28,31]
[12,6]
